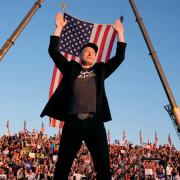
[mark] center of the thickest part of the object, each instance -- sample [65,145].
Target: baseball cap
[92,45]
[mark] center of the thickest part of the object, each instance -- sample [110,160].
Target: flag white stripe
[77,59]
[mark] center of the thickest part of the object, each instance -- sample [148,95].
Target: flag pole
[19,29]
[121,19]
[63,6]
[175,108]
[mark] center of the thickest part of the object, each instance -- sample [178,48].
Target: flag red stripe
[61,124]
[52,122]
[73,58]
[66,55]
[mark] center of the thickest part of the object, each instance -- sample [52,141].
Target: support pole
[176,110]
[18,30]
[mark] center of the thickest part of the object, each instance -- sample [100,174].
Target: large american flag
[73,36]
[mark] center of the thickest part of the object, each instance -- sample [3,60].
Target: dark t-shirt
[83,94]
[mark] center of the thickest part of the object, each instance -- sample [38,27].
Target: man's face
[88,56]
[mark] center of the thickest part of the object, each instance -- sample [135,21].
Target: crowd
[33,155]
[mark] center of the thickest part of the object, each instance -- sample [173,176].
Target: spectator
[21,157]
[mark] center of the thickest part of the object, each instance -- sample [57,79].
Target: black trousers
[93,133]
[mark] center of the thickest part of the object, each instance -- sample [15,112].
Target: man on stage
[81,102]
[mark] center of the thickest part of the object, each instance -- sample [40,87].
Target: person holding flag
[80,101]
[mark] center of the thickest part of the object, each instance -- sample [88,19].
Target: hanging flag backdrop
[73,36]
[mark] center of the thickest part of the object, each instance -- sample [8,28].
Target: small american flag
[169,140]
[156,139]
[124,135]
[74,35]
[7,126]
[109,137]
[140,137]
[25,130]
[42,128]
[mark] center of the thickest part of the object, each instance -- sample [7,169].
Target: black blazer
[57,104]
